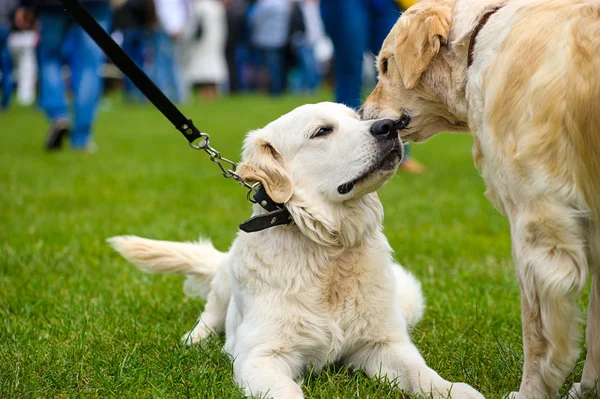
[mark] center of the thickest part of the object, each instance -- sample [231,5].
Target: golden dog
[524,77]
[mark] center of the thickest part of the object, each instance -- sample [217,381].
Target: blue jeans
[308,64]
[355,27]
[166,72]
[7,84]
[85,60]
[134,44]
[274,60]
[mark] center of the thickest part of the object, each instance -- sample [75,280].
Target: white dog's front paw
[196,335]
[461,390]
[289,391]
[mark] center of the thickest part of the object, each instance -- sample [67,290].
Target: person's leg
[274,58]
[53,30]
[345,22]
[383,15]
[235,22]
[86,79]
[133,45]
[166,67]
[310,70]
[6,69]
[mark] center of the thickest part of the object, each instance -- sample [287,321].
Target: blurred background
[192,49]
[84,157]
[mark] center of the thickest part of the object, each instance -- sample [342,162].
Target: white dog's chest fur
[334,301]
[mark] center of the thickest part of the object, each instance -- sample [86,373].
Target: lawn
[78,320]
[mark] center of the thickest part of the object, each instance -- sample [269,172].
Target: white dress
[203,59]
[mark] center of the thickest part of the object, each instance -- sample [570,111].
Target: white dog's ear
[266,166]
[420,33]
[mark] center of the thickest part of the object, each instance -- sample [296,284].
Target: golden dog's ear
[266,166]
[420,33]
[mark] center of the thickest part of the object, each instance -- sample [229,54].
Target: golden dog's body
[531,98]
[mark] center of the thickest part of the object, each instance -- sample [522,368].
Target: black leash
[131,70]
[276,213]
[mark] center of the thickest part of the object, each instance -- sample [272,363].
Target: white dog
[323,290]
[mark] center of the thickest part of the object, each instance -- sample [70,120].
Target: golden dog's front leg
[551,259]
[590,379]
[534,346]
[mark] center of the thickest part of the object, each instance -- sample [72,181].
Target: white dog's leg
[410,296]
[212,319]
[267,375]
[591,371]
[550,254]
[403,366]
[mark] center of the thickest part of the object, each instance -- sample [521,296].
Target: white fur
[294,298]
[198,261]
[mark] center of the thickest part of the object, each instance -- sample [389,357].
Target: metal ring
[202,144]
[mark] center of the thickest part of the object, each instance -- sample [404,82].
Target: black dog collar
[482,21]
[276,213]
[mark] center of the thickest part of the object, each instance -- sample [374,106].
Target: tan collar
[482,21]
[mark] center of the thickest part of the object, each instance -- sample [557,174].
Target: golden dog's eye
[322,131]
[384,66]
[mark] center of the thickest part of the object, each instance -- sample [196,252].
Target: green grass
[78,320]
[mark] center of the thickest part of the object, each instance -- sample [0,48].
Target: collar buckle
[276,214]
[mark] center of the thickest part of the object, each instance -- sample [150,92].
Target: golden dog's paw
[576,391]
[580,391]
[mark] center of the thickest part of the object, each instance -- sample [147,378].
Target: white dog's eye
[323,131]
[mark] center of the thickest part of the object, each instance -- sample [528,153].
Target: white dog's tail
[198,261]
[412,303]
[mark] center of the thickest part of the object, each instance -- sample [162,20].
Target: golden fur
[532,102]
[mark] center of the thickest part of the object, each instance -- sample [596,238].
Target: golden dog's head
[416,74]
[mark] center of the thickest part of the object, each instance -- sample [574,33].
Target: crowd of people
[188,47]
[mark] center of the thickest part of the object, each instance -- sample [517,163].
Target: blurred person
[85,64]
[6,84]
[175,19]
[22,45]
[269,25]
[205,66]
[404,4]
[356,27]
[134,19]
[235,11]
[304,41]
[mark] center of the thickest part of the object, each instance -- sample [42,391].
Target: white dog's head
[320,160]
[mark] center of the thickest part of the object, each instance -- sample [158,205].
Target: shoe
[411,165]
[59,129]
[90,147]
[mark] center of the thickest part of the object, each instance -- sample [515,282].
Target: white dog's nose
[384,129]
